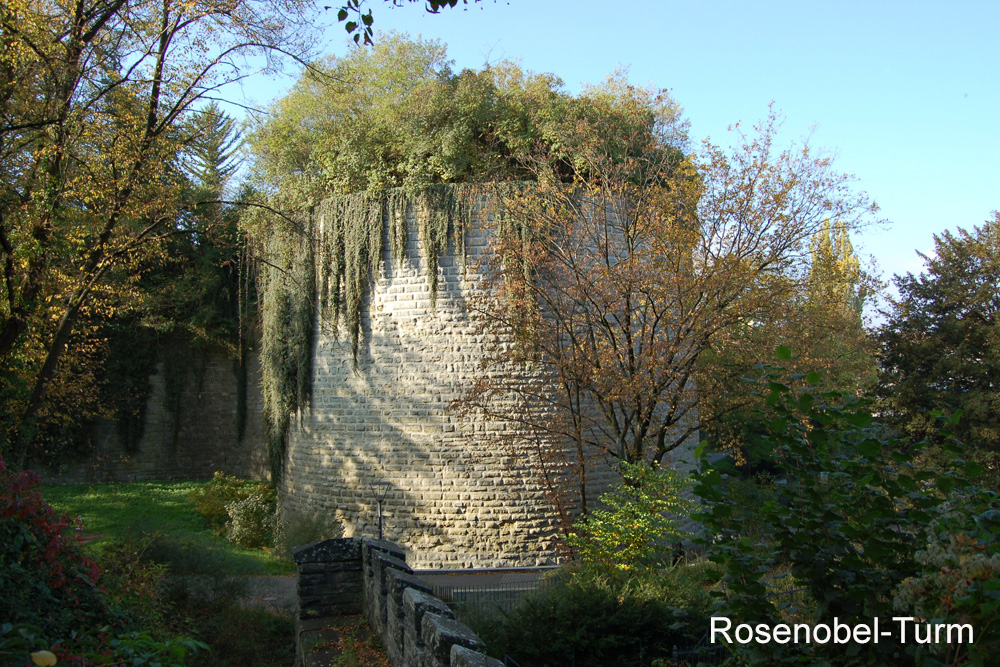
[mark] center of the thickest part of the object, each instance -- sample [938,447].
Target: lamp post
[379,490]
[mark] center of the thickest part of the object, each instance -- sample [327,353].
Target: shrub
[851,521]
[45,580]
[636,528]
[55,602]
[241,510]
[252,520]
[603,620]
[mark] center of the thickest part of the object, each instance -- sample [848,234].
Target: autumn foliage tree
[819,314]
[615,281]
[92,95]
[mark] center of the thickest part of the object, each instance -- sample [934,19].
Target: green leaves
[941,350]
[354,6]
[850,518]
[869,448]
[636,528]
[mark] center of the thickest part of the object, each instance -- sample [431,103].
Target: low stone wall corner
[349,576]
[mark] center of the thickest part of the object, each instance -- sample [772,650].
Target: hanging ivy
[331,263]
[286,290]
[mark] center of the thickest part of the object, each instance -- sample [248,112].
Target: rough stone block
[440,634]
[381,564]
[416,604]
[385,546]
[463,657]
[398,581]
[329,551]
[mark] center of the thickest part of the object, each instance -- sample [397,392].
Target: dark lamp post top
[379,489]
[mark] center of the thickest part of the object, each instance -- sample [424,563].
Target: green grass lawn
[115,511]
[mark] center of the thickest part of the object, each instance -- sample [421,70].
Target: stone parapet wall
[350,575]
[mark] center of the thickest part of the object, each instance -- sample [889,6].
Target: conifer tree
[941,341]
[212,151]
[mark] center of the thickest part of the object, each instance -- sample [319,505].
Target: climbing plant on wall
[321,270]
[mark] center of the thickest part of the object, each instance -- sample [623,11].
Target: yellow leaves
[43,658]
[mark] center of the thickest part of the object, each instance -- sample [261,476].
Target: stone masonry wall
[451,500]
[348,576]
[190,441]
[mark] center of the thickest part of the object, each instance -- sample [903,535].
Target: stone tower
[450,498]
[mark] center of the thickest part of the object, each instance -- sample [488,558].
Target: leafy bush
[56,603]
[214,499]
[252,520]
[636,527]
[600,620]
[45,580]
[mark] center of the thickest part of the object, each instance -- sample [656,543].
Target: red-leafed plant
[45,579]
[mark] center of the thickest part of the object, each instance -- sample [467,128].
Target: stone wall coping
[384,546]
[440,634]
[332,550]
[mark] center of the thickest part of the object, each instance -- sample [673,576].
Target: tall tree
[616,284]
[92,95]
[212,151]
[941,339]
[835,339]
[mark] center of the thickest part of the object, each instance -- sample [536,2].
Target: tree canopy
[941,340]
[93,97]
[397,115]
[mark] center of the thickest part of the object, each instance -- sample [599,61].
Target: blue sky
[905,94]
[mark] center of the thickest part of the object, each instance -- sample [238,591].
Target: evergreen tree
[212,151]
[941,342]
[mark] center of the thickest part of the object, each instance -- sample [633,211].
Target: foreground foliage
[862,527]
[55,602]
[596,618]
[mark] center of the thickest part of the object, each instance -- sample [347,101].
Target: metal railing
[500,595]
